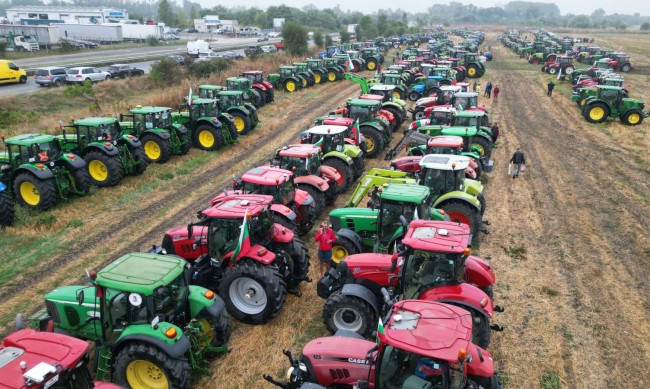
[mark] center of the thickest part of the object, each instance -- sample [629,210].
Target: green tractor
[287,78]
[305,72]
[150,327]
[377,229]
[335,71]
[40,173]
[581,94]
[390,78]
[373,180]
[210,91]
[244,114]
[211,128]
[109,154]
[373,57]
[609,102]
[375,127]
[318,69]
[243,84]
[470,126]
[159,136]
[389,103]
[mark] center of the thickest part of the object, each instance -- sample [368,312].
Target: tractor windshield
[169,300]
[424,270]
[397,369]
[363,114]
[299,166]
[466,102]
[207,93]
[223,235]
[470,122]
[442,150]
[260,228]
[389,220]
[439,118]
[443,181]
[44,152]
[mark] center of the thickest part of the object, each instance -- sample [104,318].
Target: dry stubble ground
[567,238]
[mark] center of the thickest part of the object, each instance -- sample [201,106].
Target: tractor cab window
[285,193]
[469,122]
[441,150]
[169,300]
[313,164]
[438,181]
[363,114]
[297,165]
[195,111]
[257,78]
[223,235]
[424,270]
[609,94]
[389,218]
[106,132]
[399,369]
[439,118]
[232,85]
[207,94]
[260,227]
[286,72]
[45,152]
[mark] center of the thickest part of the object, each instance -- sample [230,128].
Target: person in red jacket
[325,238]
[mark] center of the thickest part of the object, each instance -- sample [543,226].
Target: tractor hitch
[499,308]
[496,327]
[281,384]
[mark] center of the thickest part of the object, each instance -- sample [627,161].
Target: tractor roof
[382,87]
[363,103]
[410,193]
[450,87]
[29,139]
[444,162]
[299,151]
[230,93]
[437,236]
[198,100]
[287,67]
[470,114]
[445,141]
[414,321]
[149,109]
[266,175]
[338,121]
[212,87]
[609,87]
[32,348]
[466,94]
[369,96]
[140,272]
[254,72]
[314,59]
[238,79]
[236,205]
[328,129]
[94,121]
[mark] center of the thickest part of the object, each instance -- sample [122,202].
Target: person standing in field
[325,238]
[477,88]
[496,92]
[519,161]
[550,86]
[488,89]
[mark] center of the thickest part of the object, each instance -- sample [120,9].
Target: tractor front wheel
[626,68]
[463,213]
[371,64]
[156,149]
[343,312]
[318,196]
[185,143]
[140,161]
[551,70]
[596,112]
[253,293]
[7,211]
[81,181]
[345,170]
[418,113]
[342,249]
[140,365]
[290,86]
[104,170]
[374,141]
[208,137]
[216,330]
[472,71]
[331,76]
[242,122]
[633,117]
[358,164]
[300,258]
[414,96]
[318,77]
[484,146]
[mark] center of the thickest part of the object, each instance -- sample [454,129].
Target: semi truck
[102,33]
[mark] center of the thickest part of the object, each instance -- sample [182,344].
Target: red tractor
[280,184]
[41,360]
[562,64]
[423,344]
[352,137]
[263,87]
[621,62]
[462,101]
[238,250]
[320,181]
[434,264]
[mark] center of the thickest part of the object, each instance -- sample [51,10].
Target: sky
[566,6]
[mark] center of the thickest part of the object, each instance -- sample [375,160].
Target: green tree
[366,29]
[318,38]
[295,38]
[382,24]
[193,15]
[165,13]
[645,26]
[165,72]
[345,35]
[328,40]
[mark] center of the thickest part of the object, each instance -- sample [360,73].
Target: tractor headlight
[303,367]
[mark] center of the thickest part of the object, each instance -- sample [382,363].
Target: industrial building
[36,14]
[212,23]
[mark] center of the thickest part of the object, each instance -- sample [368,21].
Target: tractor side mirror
[80,296]
[189,230]
[405,225]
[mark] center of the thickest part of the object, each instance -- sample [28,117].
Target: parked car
[192,30]
[273,34]
[262,38]
[178,58]
[171,37]
[232,55]
[206,56]
[269,49]
[50,76]
[122,71]
[81,74]
[252,50]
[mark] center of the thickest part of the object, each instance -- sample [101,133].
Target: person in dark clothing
[551,86]
[518,160]
[488,89]
[495,132]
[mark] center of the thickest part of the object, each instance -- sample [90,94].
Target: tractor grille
[53,311]
[339,374]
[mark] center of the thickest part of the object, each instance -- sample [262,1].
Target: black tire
[57,83]
[341,249]
[465,212]
[359,164]
[7,211]
[481,332]
[377,141]
[418,113]
[141,161]
[283,221]
[262,96]
[81,180]
[414,96]
[46,191]
[291,86]
[246,121]
[587,112]
[270,95]
[248,275]
[489,290]
[398,117]
[22,79]
[220,329]
[176,371]
[479,169]
[107,78]
[343,312]
[300,258]
[551,70]
[371,64]
[257,99]
[185,142]
[306,222]
[332,193]
[318,196]
[481,199]
[626,68]
[633,117]
[208,137]
[332,76]
[154,142]
[345,170]
[321,77]
[485,144]
[99,165]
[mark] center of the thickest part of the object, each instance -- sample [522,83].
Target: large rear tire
[596,112]
[140,160]
[81,180]
[156,149]
[374,141]
[104,170]
[418,114]
[141,365]
[7,211]
[484,146]
[242,122]
[341,249]
[253,293]
[290,86]
[317,195]
[398,117]
[34,193]
[300,258]
[473,71]
[332,193]
[343,312]
[345,170]
[463,213]
[208,137]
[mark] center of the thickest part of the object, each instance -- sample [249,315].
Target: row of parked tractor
[155,317]
[598,89]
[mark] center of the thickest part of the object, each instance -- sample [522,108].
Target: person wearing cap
[325,238]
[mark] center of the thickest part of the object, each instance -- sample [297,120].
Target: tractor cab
[288,71]
[327,137]
[238,83]
[387,92]
[202,108]
[148,118]
[409,201]
[31,149]
[93,129]
[443,174]
[253,76]
[471,119]
[228,99]
[210,91]
[390,78]
[268,181]
[465,100]
[363,110]
[445,144]
[565,60]
[302,160]
[314,63]
[611,94]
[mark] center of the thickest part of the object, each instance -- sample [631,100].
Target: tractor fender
[314,181]
[267,85]
[261,87]
[330,173]
[462,294]
[418,88]
[478,272]
[352,150]
[257,253]
[241,110]
[302,197]
[458,195]
[180,128]
[226,118]
[175,348]
[283,211]
[339,155]
[101,147]
[363,293]
[211,122]
[131,141]
[474,187]
[282,234]
[41,174]
[201,306]
[352,236]
[374,125]
[162,134]
[76,162]
[482,363]
[409,164]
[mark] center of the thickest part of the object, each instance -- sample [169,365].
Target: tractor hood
[478,272]
[338,353]
[372,267]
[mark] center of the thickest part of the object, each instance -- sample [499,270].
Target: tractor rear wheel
[596,112]
[345,170]
[633,117]
[242,122]
[300,258]
[371,64]
[185,142]
[317,195]
[374,141]
[343,312]
[418,114]
[318,77]
[414,96]
[290,86]
[358,165]
[463,213]
[253,293]
[472,71]
[332,193]
[262,94]
[342,249]
[626,68]
[568,70]
[258,101]
[156,149]
[484,146]
[208,137]
[551,70]
[306,218]
[140,365]
[398,117]
[284,222]
[7,211]
[140,160]
[331,76]
[35,193]
[481,200]
[104,170]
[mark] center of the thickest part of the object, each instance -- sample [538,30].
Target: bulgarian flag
[319,143]
[348,65]
[189,97]
[244,242]
[381,334]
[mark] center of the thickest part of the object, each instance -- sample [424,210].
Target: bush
[206,68]
[153,41]
[295,38]
[166,72]
[645,26]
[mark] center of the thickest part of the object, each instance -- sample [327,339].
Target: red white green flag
[244,242]
[348,65]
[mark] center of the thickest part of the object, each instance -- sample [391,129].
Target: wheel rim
[331,76]
[206,139]
[30,194]
[568,70]
[370,144]
[98,170]
[371,65]
[347,319]
[152,150]
[208,332]
[247,295]
[338,253]
[459,217]
[480,148]
[303,82]
[596,113]
[317,78]
[239,124]
[396,95]
[291,86]
[419,115]
[141,374]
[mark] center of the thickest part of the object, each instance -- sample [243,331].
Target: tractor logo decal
[357,361]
